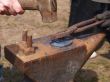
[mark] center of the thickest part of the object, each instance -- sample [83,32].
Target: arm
[10,7]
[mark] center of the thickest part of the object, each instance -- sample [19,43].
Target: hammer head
[47,8]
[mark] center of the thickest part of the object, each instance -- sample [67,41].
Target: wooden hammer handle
[29,4]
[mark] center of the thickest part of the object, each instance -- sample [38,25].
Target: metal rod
[24,35]
[29,41]
[87,22]
[63,33]
[89,26]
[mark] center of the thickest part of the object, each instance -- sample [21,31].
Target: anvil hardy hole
[36,48]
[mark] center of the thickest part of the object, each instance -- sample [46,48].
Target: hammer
[47,8]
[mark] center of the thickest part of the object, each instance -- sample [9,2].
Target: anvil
[45,60]
[53,64]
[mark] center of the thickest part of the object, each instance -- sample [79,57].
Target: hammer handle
[29,4]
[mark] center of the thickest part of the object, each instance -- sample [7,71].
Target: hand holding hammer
[47,8]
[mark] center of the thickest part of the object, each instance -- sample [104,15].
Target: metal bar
[29,41]
[83,23]
[24,35]
[63,33]
[89,26]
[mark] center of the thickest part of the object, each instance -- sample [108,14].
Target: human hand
[104,16]
[10,7]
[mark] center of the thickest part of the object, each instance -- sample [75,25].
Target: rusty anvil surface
[47,8]
[53,64]
[42,61]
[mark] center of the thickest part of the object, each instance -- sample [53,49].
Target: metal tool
[47,8]
[62,39]
[79,27]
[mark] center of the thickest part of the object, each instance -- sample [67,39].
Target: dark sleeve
[82,10]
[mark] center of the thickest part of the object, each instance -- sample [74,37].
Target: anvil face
[49,63]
